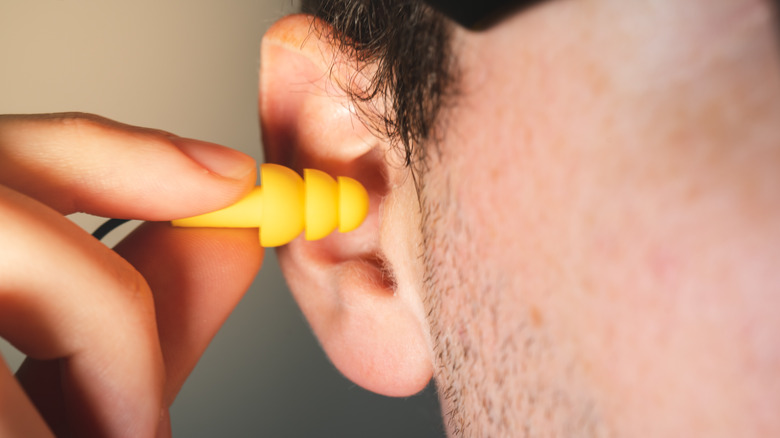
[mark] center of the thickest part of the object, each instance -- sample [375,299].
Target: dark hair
[404,48]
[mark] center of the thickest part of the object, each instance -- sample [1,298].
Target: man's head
[575,219]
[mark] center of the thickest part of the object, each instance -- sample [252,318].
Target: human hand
[111,335]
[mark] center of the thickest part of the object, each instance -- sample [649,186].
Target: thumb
[85,163]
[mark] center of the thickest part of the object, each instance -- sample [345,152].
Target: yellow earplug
[284,205]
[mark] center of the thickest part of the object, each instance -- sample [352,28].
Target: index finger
[79,162]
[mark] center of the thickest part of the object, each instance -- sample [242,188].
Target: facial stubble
[497,370]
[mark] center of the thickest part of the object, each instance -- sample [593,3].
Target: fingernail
[221,160]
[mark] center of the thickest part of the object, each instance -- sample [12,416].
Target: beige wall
[190,67]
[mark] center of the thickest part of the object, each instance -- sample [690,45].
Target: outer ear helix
[284,205]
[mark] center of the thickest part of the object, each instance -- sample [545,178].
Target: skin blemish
[535,316]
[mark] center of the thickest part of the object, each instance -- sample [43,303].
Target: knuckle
[82,123]
[136,291]
[130,297]
[87,125]
[74,119]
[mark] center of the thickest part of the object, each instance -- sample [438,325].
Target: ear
[359,290]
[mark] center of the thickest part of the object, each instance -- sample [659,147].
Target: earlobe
[360,305]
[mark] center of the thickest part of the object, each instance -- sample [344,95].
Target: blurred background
[190,67]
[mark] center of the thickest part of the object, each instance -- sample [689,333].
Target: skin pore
[599,222]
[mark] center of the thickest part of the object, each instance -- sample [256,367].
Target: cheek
[491,306]
[603,204]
